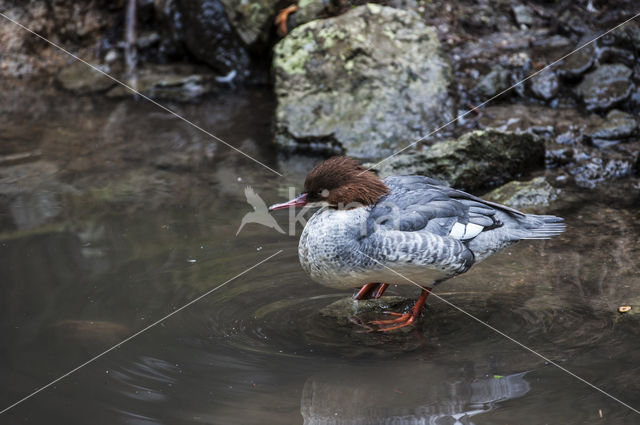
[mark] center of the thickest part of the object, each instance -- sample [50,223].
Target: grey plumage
[422,229]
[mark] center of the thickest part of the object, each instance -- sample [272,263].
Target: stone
[251,20]
[177,82]
[309,10]
[477,160]
[525,195]
[605,87]
[344,309]
[81,78]
[576,64]
[523,14]
[545,85]
[365,83]
[617,125]
[496,81]
[605,165]
[210,38]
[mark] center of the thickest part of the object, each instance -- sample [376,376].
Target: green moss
[330,35]
[349,65]
[292,53]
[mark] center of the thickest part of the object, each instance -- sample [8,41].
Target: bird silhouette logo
[260,213]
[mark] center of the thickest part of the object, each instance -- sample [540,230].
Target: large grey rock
[605,86]
[476,160]
[210,38]
[364,83]
[527,195]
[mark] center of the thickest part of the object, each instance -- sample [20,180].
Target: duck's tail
[541,226]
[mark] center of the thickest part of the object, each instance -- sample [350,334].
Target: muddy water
[116,214]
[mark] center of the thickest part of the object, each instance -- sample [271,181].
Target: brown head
[338,182]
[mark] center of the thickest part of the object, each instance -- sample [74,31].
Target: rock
[79,26]
[81,78]
[606,86]
[364,83]
[177,82]
[476,160]
[346,308]
[522,14]
[308,10]
[604,165]
[617,125]
[576,64]
[496,81]
[210,38]
[251,20]
[545,85]
[525,195]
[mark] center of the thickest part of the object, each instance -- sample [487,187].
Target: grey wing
[418,203]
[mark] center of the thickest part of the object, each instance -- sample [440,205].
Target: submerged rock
[479,159]
[345,309]
[364,83]
[605,87]
[81,78]
[525,195]
[210,38]
[176,82]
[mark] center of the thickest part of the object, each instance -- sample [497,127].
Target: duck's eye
[324,193]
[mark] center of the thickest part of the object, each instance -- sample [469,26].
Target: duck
[404,229]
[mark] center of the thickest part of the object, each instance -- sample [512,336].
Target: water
[121,214]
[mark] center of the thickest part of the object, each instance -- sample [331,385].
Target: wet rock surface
[605,87]
[337,79]
[209,36]
[545,86]
[476,160]
[181,82]
[531,195]
[615,126]
[496,81]
[252,20]
[81,78]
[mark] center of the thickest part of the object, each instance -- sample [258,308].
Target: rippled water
[121,214]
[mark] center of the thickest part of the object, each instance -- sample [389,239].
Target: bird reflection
[363,396]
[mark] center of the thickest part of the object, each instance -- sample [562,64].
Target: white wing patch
[465,232]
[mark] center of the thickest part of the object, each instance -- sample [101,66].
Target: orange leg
[383,287]
[281,19]
[404,319]
[365,291]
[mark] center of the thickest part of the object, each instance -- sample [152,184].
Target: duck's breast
[329,247]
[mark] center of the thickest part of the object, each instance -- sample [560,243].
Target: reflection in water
[398,396]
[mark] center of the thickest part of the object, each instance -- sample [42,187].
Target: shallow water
[121,214]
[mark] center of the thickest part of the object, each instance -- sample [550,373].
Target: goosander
[370,231]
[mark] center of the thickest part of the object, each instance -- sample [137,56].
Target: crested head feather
[342,182]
